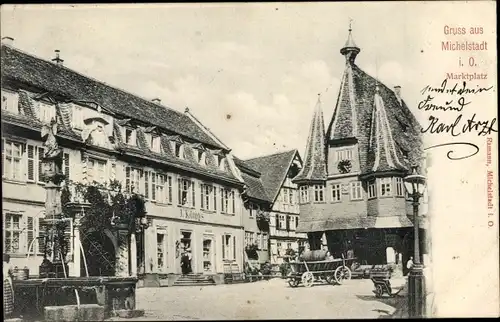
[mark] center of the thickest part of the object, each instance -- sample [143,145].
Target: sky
[250,72]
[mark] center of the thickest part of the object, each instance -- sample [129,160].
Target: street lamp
[415,186]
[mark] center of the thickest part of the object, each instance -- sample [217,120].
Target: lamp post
[415,186]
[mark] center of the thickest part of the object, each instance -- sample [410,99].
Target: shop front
[190,241]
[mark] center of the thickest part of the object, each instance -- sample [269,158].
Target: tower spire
[350,50]
[314,168]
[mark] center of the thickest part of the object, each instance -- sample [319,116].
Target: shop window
[161,253]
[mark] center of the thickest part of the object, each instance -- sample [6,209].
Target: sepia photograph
[224,161]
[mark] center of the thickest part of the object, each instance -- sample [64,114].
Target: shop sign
[191,215]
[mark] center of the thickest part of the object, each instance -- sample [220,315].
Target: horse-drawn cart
[331,271]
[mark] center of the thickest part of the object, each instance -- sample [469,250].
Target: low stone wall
[84,312]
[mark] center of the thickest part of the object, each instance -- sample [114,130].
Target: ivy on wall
[110,205]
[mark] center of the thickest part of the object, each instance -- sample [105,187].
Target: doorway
[208,255]
[186,253]
[99,253]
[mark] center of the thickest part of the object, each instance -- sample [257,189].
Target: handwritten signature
[455,102]
[455,90]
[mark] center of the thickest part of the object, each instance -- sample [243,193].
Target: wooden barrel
[313,255]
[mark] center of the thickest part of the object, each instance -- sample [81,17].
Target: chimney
[58,60]
[397,91]
[8,41]
[156,100]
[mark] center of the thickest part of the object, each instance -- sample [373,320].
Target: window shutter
[232,202]
[127,179]
[202,194]
[41,153]
[193,190]
[287,222]
[30,235]
[223,247]
[31,163]
[179,192]
[234,247]
[146,184]
[66,166]
[169,189]
[215,198]
[277,221]
[153,186]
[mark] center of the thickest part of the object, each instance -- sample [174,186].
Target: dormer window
[222,163]
[77,117]
[46,112]
[10,102]
[149,138]
[155,144]
[202,160]
[178,149]
[130,137]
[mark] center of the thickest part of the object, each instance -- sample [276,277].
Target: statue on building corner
[49,131]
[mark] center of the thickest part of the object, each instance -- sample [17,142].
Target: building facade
[277,173]
[257,206]
[352,195]
[191,185]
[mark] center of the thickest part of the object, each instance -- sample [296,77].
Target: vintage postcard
[229,161]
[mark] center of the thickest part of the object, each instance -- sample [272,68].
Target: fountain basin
[113,293]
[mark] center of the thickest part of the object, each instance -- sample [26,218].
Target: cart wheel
[307,279]
[293,282]
[347,273]
[342,273]
[379,291]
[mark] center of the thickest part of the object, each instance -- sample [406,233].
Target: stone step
[193,284]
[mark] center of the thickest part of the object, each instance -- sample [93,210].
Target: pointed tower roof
[350,50]
[382,148]
[343,124]
[314,167]
[375,116]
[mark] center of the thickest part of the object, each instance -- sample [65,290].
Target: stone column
[122,254]
[75,271]
[133,255]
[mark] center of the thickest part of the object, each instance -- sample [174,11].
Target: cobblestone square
[272,299]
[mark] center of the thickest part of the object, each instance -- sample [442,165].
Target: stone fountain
[59,292]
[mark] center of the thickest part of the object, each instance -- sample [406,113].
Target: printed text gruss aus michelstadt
[464,45]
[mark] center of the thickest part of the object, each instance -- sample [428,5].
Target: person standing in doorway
[8,291]
[185,263]
[409,264]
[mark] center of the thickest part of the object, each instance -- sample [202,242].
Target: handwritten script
[455,98]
